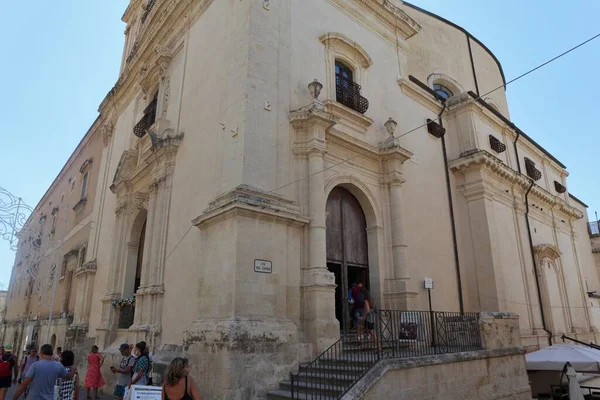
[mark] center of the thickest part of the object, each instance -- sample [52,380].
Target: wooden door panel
[334,226]
[355,231]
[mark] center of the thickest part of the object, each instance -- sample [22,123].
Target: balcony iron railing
[147,120]
[497,145]
[126,314]
[532,171]
[594,228]
[399,334]
[559,187]
[348,94]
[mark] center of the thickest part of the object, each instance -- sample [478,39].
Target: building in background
[256,158]
[52,275]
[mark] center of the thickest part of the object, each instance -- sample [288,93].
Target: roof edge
[579,201]
[460,28]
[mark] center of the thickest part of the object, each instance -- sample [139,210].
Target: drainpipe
[529,236]
[452,219]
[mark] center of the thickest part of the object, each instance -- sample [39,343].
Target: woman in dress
[93,377]
[178,385]
[68,387]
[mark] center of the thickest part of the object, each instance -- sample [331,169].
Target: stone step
[316,388]
[340,369]
[326,376]
[286,394]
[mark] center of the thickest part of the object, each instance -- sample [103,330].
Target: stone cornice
[419,95]
[483,160]
[336,39]
[87,268]
[249,199]
[390,16]
[348,116]
[165,25]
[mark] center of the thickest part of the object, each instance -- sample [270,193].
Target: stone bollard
[499,330]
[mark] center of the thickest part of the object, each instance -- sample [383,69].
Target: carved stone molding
[140,200]
[87,268]
[482,160]
[107,132]
[546,251]
[339,41]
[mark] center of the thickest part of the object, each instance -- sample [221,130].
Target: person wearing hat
[9,370]
[124,371]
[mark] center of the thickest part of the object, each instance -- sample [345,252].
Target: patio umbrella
[574,388]
[553,358]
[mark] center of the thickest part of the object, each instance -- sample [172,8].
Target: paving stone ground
[13,389]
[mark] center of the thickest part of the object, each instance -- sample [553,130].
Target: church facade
[256,158]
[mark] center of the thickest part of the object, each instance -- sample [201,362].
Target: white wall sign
[428,282]
[263,266]
[144,393]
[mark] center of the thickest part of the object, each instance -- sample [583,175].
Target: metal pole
[431,319]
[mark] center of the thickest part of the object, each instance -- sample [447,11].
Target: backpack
[359,300]
[5,367]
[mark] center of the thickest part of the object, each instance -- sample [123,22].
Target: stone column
[149,297]
[403,295]
[318,284]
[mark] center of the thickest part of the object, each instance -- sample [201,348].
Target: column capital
[313,114]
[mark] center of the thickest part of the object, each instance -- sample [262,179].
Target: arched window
[442,90]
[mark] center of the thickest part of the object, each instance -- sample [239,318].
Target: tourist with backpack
[9,370]
[124,371]
[142,366]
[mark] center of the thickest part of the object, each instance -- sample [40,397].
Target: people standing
[142,366]
[68,389]
[359,295]
[9,370]
[178,384]
[42,376]
[58,354]
[93,377]
[370,319]
[28,361]
[124,371]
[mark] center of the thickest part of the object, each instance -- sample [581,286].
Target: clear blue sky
[60,58]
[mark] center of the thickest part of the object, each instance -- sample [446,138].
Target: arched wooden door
[347,254]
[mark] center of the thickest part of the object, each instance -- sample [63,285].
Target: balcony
[348,94]
[594,228]
[147,120]
[532,171]
[126,313]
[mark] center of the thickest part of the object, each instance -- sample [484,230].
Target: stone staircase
[331,375]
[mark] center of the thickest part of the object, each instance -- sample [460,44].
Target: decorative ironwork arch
[13,216]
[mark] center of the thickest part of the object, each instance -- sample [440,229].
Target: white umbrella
[574,388]
[553,358]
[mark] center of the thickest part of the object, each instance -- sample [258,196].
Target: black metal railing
[589,344]
[562,392]
[594,228]
[126,314]
[147,120]
[347,92]
[532,171]
[387,334]
[497,145]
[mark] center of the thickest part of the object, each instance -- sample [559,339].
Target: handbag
[56,391]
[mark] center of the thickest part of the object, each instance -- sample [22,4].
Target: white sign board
[144,393]
[263,266]
[428,283]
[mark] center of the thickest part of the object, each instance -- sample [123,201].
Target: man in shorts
[42,376]
[124,371]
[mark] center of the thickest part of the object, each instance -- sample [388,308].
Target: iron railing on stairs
[387,334]
[589,344]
